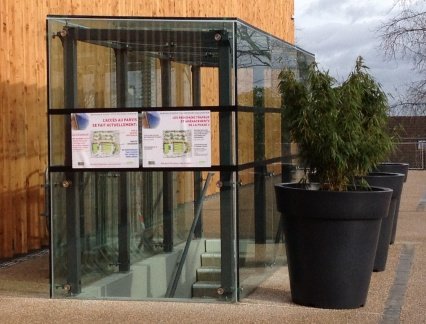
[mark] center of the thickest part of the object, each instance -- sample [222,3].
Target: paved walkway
[396,295]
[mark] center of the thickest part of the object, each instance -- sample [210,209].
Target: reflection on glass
[123,234]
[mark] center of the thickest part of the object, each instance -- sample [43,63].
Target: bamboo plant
[341,129]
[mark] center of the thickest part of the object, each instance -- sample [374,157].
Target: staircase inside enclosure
[256,263]
[149,278]
[208,274]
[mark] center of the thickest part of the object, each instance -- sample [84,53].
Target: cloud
[347,11]
[338,44]
[339,31]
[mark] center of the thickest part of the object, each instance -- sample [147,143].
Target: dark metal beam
[148,182]
[196,101]
[259,156]
[227,195]
[121,63]
[166,70]
[72,181]
[168,38]
[70,71]
[161,44]
[121,60]
[73,233]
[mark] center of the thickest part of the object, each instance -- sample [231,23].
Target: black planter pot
[331,240]
[395,182]
[394,168]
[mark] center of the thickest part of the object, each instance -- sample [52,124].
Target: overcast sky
[337,31]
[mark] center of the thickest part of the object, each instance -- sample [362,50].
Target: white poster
[105,140]
[176,139]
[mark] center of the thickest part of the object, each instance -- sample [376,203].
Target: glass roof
[188,41]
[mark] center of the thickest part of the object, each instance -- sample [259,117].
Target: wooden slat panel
[3,135]
[7,85]
[40,101]
[18,129]
[33,113]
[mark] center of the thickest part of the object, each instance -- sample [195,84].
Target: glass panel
[260,59]
[273,135]
[145,44]
[260,244]
[96,76]
[58,130]
[56,65]
[121,234]
[272,94]
[246,205]
[245,138]
[58,228]
[99,199]
[245,87]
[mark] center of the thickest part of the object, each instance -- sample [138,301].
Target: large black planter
[331,240]
[395,182]
[394,168]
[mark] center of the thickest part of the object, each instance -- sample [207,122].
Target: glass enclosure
[165,143]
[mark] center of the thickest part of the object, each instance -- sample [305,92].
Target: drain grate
[395,301]
[27,257]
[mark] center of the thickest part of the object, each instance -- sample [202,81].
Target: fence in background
[412,152]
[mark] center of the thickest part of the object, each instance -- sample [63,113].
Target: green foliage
[342,129]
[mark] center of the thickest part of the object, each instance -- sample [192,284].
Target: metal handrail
[172,287]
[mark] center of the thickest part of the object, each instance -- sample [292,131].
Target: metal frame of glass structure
[143,232]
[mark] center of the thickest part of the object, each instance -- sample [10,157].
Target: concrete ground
[396,295]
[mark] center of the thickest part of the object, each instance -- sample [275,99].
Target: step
[205,289]
[213,245]
[210,259]
[209,274]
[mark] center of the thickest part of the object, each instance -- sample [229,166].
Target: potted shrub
[377,143]
[395,168]
[374,110]
[331,224]
[395,182]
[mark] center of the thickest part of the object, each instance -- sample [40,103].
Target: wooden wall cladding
[23,93]
[23,132]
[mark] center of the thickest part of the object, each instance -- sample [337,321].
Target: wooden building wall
[23,93]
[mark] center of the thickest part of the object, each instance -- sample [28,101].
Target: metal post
[73,234]
[121,63]
[121,59]
[123,226]
[259,156]
[72,180]
[148,183]
[196,101]
[166,69]
[227,199]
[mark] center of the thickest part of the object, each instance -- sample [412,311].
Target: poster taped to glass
[105,140]
[176,139]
